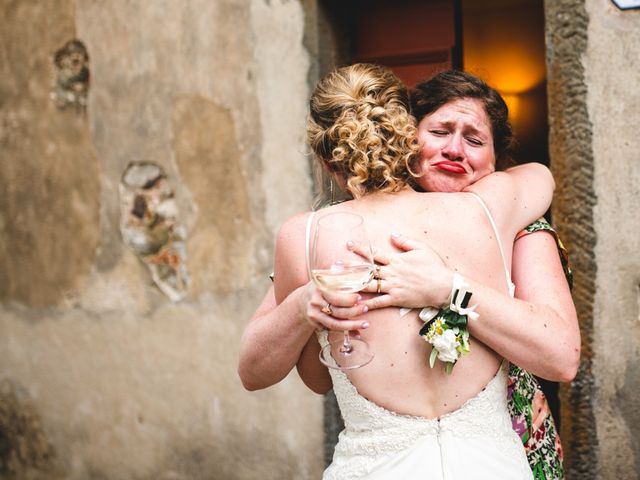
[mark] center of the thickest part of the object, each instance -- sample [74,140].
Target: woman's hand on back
[416,277]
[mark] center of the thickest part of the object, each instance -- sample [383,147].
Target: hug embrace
[460,248]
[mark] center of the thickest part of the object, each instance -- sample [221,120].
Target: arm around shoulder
[517,196]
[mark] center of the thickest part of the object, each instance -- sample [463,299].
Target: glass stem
[346,343]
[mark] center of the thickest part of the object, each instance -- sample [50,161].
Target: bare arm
[273,340]
[277,335]
[539,278]
[517,196]
[538,331]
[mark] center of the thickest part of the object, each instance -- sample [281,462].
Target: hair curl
[452,85]
[360,124]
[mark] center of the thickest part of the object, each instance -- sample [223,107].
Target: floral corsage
[446,329]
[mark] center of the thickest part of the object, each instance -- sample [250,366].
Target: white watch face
[625,4]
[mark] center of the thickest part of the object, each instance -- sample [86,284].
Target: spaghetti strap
[507,273]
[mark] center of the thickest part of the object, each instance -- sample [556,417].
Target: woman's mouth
[451,167]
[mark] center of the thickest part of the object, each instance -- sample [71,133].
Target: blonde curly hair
[360,125]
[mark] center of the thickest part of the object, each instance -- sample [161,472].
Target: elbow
[570,366]
[250,386]
[566,367]
[571,356]
[247,383]
[319,389]
[250,382]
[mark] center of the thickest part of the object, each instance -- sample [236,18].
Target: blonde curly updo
[360,125]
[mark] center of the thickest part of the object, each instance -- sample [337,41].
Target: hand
[415,278]
[333,311]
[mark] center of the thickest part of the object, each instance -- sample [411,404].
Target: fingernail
[395,234]
[365,309]
[359,298]
[350,244]
[365,324]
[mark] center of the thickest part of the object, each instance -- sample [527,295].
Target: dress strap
[307,240]
[507,273]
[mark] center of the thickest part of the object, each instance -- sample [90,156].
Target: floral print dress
[528,407]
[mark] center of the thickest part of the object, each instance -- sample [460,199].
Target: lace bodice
[373,433]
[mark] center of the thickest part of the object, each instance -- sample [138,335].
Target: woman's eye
[439,132]
[475,141]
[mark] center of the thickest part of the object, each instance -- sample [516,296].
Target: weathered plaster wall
[113,379]
[612,72]
[593,68]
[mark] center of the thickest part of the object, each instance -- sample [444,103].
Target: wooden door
[415,38]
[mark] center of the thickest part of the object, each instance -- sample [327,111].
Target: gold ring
[327,309]
[376,272]
[379,287]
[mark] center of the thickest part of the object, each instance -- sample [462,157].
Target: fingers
[331,323]
[380,301]
[341,318]
[381,256]
[405,243]
[375,285]
[370,287]
[335,311]
[362,250]
[338,299]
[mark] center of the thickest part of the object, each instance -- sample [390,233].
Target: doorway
[501,41]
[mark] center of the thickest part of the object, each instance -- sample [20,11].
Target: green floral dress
[528,407]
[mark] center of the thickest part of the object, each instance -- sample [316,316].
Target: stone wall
[593,67]
[103,376]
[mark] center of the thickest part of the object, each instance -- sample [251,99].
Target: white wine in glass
[336,266]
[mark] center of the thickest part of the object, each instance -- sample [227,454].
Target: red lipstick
[451,167]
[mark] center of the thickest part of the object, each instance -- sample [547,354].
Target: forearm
[537,331]
[273,341]
[534,336]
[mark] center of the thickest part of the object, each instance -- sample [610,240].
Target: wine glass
[341,261]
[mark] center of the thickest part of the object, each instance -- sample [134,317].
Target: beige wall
[111,378]
[594,105]
[612,71]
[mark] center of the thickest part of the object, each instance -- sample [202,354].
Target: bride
[403,418]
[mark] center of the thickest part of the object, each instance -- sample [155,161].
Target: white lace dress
[473,442]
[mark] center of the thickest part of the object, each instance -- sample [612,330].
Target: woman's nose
[453,149]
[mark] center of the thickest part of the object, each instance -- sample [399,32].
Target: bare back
[454,225]
[399,378]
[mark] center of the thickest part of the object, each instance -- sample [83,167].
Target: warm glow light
[513,102]
[505,46]
[513,72]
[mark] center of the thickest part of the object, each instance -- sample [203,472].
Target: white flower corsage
[446,329]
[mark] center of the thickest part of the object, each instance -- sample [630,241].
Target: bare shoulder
[290,266]
[517,196]
[514,181]
[292,228]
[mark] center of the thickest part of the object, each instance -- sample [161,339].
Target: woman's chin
[445,184]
